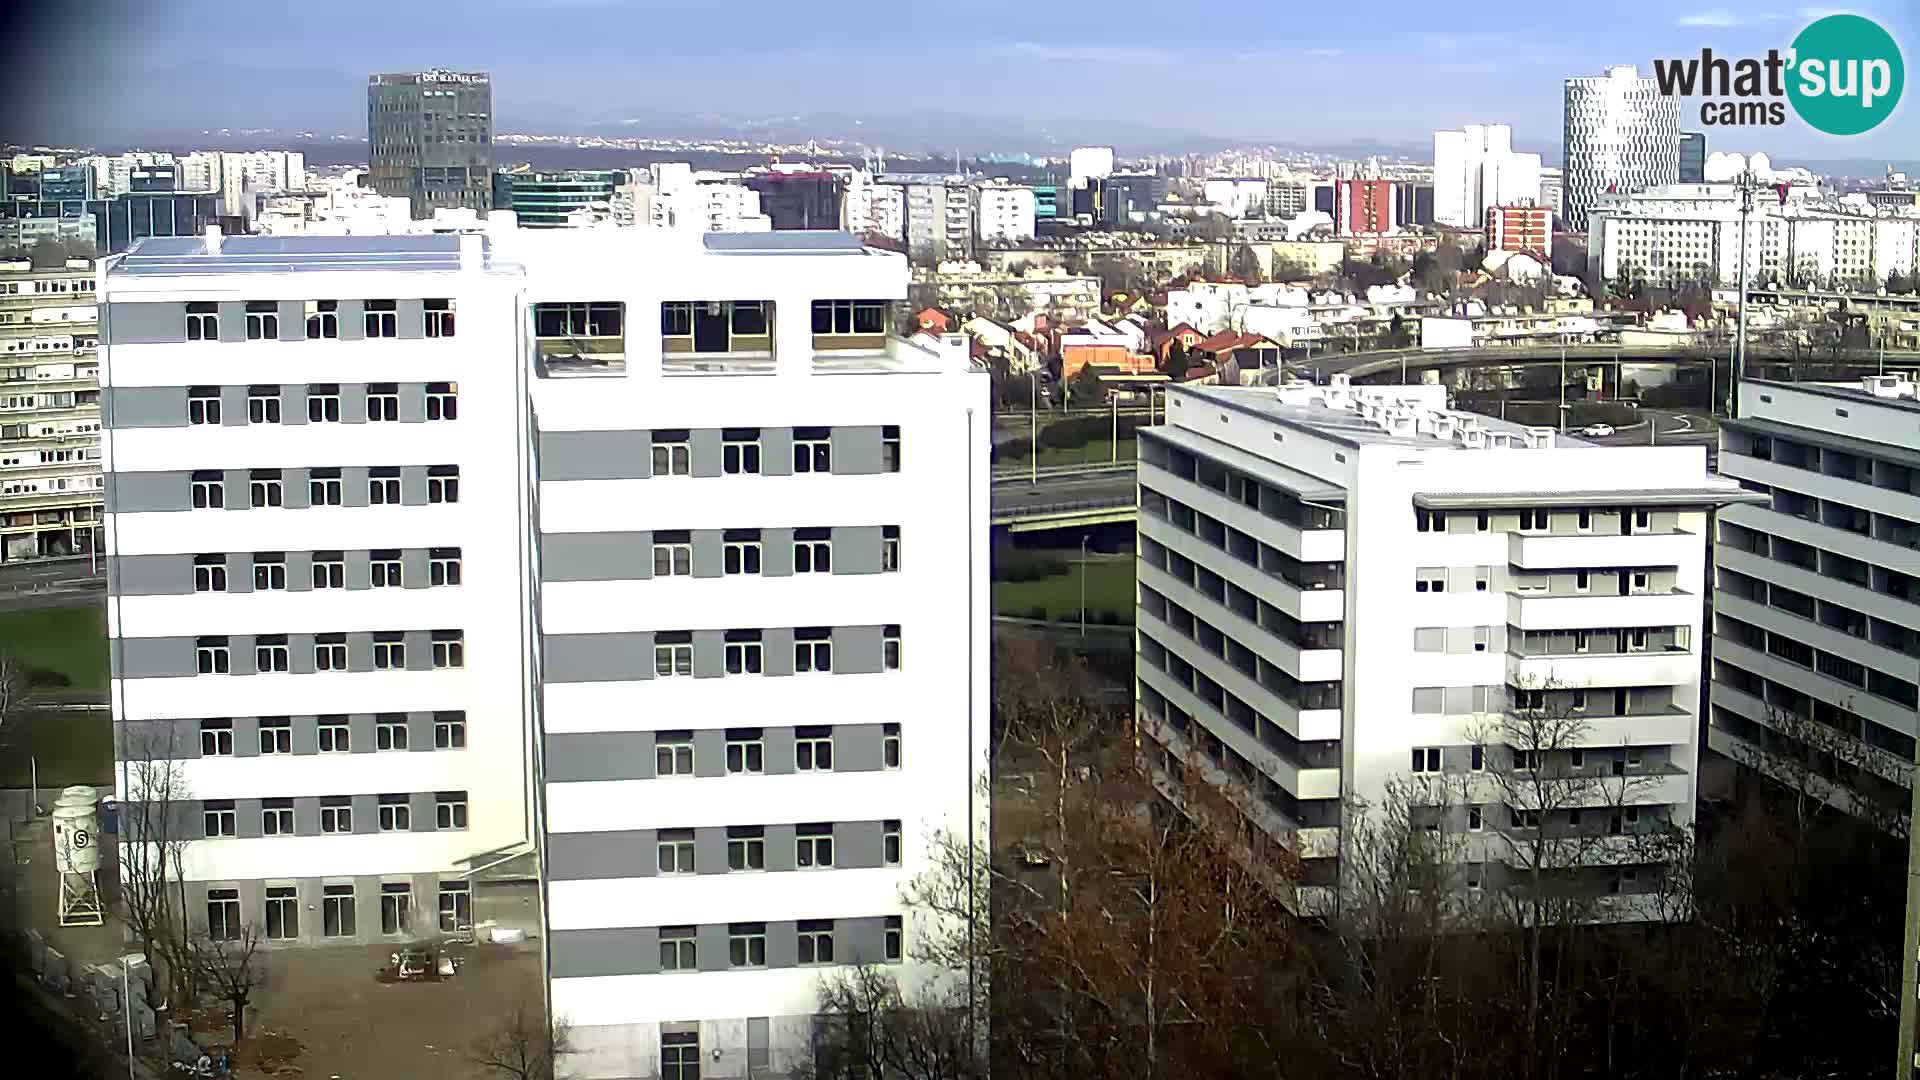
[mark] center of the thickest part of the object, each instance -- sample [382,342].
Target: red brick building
[1525,228]
[1366,206]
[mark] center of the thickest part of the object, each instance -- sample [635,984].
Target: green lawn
[1096,452]
[68,745]
[69,640]
[1109,589]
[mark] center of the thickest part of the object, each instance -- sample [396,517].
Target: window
[680,1055]
[389,651]
[223,908]
[672,654]
[1639,582]
[895,932]
[1481,521]
[816,941]
[1430,581]
[1429,521]
[383,569]
[395,814]
[443,483]
[812,551]
[1526,760]
[323,488]
[740,551]
[264,489]
[1426,759]
[1474,823]
[1579,701]
[276,817]
[739,451]
[746,752]
[1637,640]
[456,907]
[1585,523]
[1524,819]
[747,944]
[677,954]
[383,486]
[1533,521]
[1577,760]
[336,907]
[396,907]
[1479,759]
[439,317]
[450,730]
[844,317]
[263,404]
[742,652]
[1582,641]
[672,454]
[890,843]
[672,554]
[594,320]
[203,321]
[323,403]
[330,652]
[390,732]
[210,656]
[323,319]
[203,405]
[450,810]
[812,450]
[216,738]
[383,403]
[746,848]
[382,318]
[276,735]
[890,648]
[890,746]
[443,401]
[209,492]
[443,566]
[889,548]
[673,754]
[812,650]
[813,847]
[890,448]
[1529,700]
[1642,521]
[269,571]
[449,649]
[209,573]
[813,749]
[218,816]
[1582,581]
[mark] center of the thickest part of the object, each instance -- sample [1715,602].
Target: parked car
[1597,430]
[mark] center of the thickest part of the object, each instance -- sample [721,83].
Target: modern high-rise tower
[1621,135]
[430,139]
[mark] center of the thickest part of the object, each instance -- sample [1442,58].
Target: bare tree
[1819,768]
[867,1029]
[520,1044]
[230,967]
[155,830]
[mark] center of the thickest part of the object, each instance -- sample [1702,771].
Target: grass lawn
[70,747]
[70,640]
[1109,588]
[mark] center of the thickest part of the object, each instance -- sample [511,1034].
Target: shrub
[41,678]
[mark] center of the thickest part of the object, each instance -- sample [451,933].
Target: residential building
[1693,157]
[1235,196]
[703,201]
[1525,227]
[1817,589]
[1476,168]
[245,176]
[1347,587]
[552,200]
[1621,135]
[1004,212]
[889,211]
[799,198]
[1553,191]
[1692,232]
[430,139]
[1124,200]
[938,216]
[1286,198]
[1366,207]
[49,411]
[1413,202]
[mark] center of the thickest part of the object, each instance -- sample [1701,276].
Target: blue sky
[1392,70]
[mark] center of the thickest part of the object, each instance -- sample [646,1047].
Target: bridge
[1063,496]
[1380,362]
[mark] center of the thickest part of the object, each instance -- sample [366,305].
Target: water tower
[76,856]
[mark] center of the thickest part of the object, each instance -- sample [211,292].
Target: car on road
[1597,430]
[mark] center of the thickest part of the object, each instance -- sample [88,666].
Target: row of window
[743,652]
[1537,520]
[382,401]
[266,488]
[1429,759]
[333,734]
[272,653]
[741,551]
[338,910]
[746,750]
[676,853]
[1433,579]
[393,813]
[385,570]
[747,948]
[705,320]
[379,319]
[740,451]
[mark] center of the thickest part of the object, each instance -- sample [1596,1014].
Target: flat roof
[1894,452]
[1840,391]
[1299,484]
[173,256]
[796,241]
[1717,494]
[1351,428]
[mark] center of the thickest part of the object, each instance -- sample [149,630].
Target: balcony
[1536,551]
[1661,667]
[716,337]
[580,338]
[1535,611]
[857,326]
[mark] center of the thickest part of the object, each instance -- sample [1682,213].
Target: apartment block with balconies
[1348,589]
[49,411]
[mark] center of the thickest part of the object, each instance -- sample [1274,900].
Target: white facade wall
[1089,163]
[1664,233]
[1621,134]
[1004,212]
[1476,168]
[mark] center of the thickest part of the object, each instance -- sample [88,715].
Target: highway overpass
[1063,496]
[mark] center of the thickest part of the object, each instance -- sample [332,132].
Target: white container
[76,832]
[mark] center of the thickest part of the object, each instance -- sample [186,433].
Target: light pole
[1083,585]
[1563,385]
[1033,427]
[1746,185]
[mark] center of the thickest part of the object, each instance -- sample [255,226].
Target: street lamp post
[1083,585]
[1746,185]
[1116,426]
[1033,427]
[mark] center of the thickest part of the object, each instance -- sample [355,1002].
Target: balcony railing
[575,356]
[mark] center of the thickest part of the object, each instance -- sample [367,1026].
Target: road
[1015,494]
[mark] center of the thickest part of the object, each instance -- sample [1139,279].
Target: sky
[1275,71]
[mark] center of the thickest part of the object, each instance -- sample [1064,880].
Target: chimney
[213,239]
[473,249]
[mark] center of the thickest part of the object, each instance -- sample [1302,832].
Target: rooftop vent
[1499,440]
[1473,438]
[1888,386]
[1539,438]
[213,239]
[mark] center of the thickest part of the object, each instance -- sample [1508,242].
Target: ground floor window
[680,1055]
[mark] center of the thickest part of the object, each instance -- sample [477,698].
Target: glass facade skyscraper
[543,200]
[430,139]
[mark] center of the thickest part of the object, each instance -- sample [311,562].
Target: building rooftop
[1310,410]
[175,256]
[806,242]
[1896,390]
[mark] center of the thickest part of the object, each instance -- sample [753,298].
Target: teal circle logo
[1847,75]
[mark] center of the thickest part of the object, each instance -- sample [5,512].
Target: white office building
[1621,135]
[1345,585]
[1089,163]
[1003,212]
[669,565]
[1817,589]
[1476,168]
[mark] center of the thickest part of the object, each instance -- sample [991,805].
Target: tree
[521,1044]
[1898,282]
[231,968]
[866,1029]
[155,830]
[1245,265]
[14,684]
[1819,767]
[1289,269]
[1174,364]
[1085,388]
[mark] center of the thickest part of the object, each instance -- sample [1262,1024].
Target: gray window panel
[246,736]
[599,755]
[413,403]
[293,396]
[860,941]
[360,651]
[780,840]
[353,481]
[778,755]
[1430,639]
[153,658]
[856,649]
[293,320]
[857,845]
[1459,639]
[776,552]
[711,939]
[148,492]
[300,657]
[233,404]
[709,654]
[238,495]
[419,724]
[856,549]
[413,485]
[596,556]
[422,803]
[1459,699]
[709,554]
[598,657]
[856,450]
[306,808]
[233,320]
[353,320]
[306,729]
[239,572]
[299,571]
[144,324]
[783,944]
[151,575]
[776,451]
[1428,700]
[619,951]
[710,849]
[366,808]
[125,407]
[246,823]
[293,491]
[413,568]
[412,318]
[358,568]
[776,650]
[240,654]
[596,455]
[704,445]
[353,396]
[710,752]
[420,658]
[360,733]
[599,855]
[857,747]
